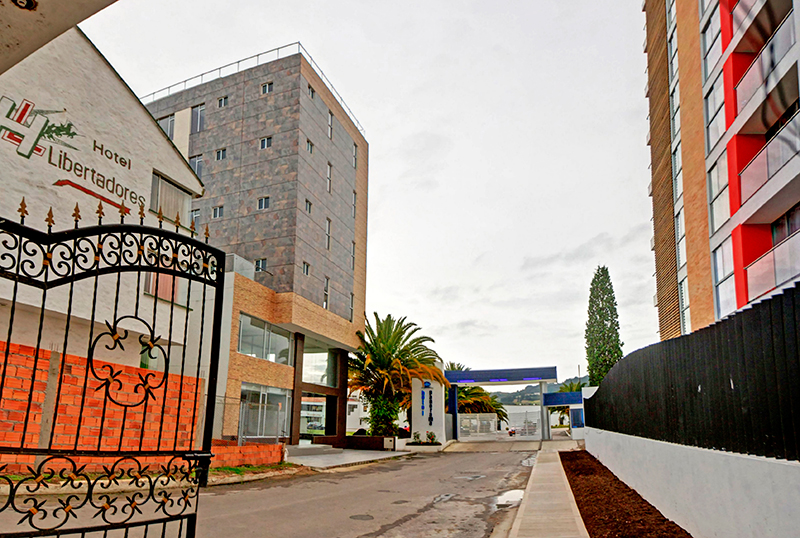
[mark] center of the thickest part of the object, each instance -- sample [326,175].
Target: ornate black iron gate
[108,378]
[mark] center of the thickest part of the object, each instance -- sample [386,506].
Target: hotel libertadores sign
[93,173]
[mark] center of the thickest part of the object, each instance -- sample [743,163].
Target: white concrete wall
[709,493]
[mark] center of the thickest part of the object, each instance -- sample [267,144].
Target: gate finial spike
[100,213]
[207,234]
[23,210]
[49,219]
[76,215]
[122,212]
[177,220]
[192,228]
[141,213]
[160,217]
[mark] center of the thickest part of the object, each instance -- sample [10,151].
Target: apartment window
[672,49]
[680,237]
[169,198]
[353,209]
[677,171]
[218,212]
[264,341]
[704,6]
[683,300]
[309,146]
[311,92]
[328,178]
[786,225]
[352,306]
[261,265]
[263,202]
[355,155]
[266,142]
[330,125]
[308,206]
[718,191]
[198,118]
[222,102]
[326,293]
[266,88]
[723,278]
[196,163]
[168,125]
[222,154]
[670,12]
[353,256]
[306,268]
[675,103]
[328,234]
[712,43]
[715,113]
[194,214]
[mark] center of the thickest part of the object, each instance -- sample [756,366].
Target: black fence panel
[733,386]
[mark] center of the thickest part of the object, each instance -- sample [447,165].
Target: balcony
[772,158]
[740,11]
[775,268]
[772,53]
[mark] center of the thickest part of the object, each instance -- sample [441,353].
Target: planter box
[369,442]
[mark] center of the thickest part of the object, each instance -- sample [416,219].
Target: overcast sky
[507,152]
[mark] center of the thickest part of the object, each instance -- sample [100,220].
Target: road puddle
[509,498]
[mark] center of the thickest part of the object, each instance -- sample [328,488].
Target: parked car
[315,426]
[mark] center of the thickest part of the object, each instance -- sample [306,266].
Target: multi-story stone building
[284,164]
[723,92]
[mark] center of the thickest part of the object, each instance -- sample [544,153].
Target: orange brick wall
[253,454]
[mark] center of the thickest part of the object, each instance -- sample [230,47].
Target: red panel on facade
[726,20]
[750,242]
[741,150]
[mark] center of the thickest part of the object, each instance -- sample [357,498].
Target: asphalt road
[437,495]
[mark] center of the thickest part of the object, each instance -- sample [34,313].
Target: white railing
[775,268]
[248,63]
[740,11]
[778,151]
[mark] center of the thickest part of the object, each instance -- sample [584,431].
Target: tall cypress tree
[603,346]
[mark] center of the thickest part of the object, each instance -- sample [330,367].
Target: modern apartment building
[284,163]
[723,93]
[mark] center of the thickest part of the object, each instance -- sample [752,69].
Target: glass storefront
[265,411]
[319,363]
[260,339]
[314,414]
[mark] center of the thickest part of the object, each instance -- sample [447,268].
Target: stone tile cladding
[669,316]
[79,410]
[286,235]
[693,150]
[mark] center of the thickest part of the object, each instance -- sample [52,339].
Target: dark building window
[222,102]
[168,125]
[263,202]
[266,142]
[266,88]
[328,234]
[218,212]
[306,268]
[330,125]
[352,306]
[353,256]
[311,92]
[786,225]
[328,179]
[355,155]
[222,154]
[261,265]
[326,293]
[308,206]
[309,146]
[194,214]
[198,118]
[353,211]
[196,163]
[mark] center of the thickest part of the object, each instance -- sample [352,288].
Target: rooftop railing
[771,158]
[766,61]
[248,63]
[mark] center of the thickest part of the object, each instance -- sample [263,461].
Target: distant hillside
[530,394]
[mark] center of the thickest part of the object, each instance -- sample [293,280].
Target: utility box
[389,443]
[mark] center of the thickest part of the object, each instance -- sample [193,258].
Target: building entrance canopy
[514,376]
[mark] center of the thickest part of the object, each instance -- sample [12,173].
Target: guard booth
[514,376]
[573,400]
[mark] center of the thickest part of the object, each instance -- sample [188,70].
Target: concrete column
[545,420]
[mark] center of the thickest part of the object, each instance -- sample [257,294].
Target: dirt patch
[610,509]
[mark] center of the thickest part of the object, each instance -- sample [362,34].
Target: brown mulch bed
[609,508]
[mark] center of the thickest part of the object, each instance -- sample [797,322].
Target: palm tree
[390,355]
[472,399]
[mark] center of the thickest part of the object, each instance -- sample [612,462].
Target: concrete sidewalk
[548,508]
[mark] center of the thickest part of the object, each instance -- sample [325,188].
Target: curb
[357,463]
[514,532]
